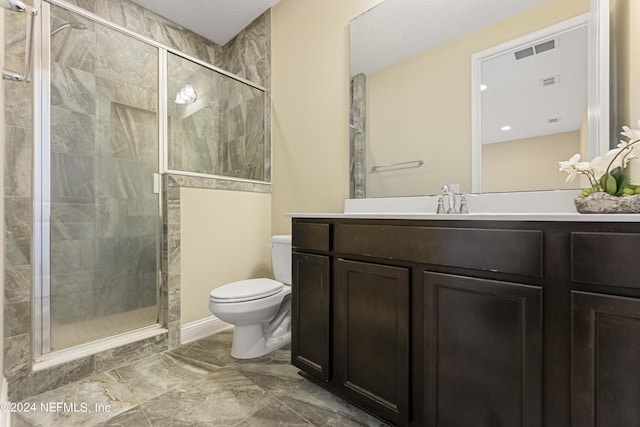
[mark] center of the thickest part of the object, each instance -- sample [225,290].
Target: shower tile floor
[197,384]
[65,336]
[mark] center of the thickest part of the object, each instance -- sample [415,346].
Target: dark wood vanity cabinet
[349,326]
[310,305]
[605,303]
[483,352]
[471,323]
[372,331]
[311,300]
[606,360]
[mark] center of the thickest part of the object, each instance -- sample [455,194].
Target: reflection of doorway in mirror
[533,110]
[533,105]
[537,89]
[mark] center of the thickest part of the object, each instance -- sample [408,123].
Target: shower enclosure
[99,153]
[110,128]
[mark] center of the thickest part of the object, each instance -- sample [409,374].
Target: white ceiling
[217,20]
[395,30]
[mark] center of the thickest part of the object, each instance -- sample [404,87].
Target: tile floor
[197,384]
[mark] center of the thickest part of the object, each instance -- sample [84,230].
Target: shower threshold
[58,357]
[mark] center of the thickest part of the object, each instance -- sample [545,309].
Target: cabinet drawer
[312,236]
[606,259]
[505,251]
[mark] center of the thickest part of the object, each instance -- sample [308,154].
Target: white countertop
[477,216]
[523,206]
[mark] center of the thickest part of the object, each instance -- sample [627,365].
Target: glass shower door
[103,154]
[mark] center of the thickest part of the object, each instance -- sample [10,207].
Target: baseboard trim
[202,328]
[5,416]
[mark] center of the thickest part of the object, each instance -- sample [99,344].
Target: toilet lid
[246,290]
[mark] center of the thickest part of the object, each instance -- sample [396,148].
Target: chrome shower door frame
[41,251]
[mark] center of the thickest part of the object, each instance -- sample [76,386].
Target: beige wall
[310,106]
[626,52]
[225,236]
[526,163]
[632,84]
[432,120]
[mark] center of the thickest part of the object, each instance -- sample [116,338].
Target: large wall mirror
[430,82]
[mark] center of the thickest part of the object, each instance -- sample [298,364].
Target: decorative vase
[605,203]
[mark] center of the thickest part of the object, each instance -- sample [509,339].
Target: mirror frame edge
[600,68]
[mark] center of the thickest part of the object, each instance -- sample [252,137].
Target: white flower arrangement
[606,173]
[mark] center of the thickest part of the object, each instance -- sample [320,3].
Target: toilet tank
[281,258]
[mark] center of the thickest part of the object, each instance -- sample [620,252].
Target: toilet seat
[245,290]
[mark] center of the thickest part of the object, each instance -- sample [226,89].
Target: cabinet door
[310,323]
[605,361]
[372,323]
[483,352]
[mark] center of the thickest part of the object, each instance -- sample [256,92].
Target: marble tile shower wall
[18,210]
[243,133]
[247,55]
[223,131]
[149,24]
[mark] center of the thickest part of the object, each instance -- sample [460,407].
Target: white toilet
[260,309]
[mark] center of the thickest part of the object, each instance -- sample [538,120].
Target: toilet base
[249,342]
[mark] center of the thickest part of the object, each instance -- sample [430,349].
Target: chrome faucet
[447,201]
[449,195]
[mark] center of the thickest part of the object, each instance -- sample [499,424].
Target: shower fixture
[13,5]
[186,94]
[18,6]
[74,25]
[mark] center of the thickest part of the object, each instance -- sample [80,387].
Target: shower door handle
[157,182]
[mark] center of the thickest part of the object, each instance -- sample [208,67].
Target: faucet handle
[440,208]
[464,209]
